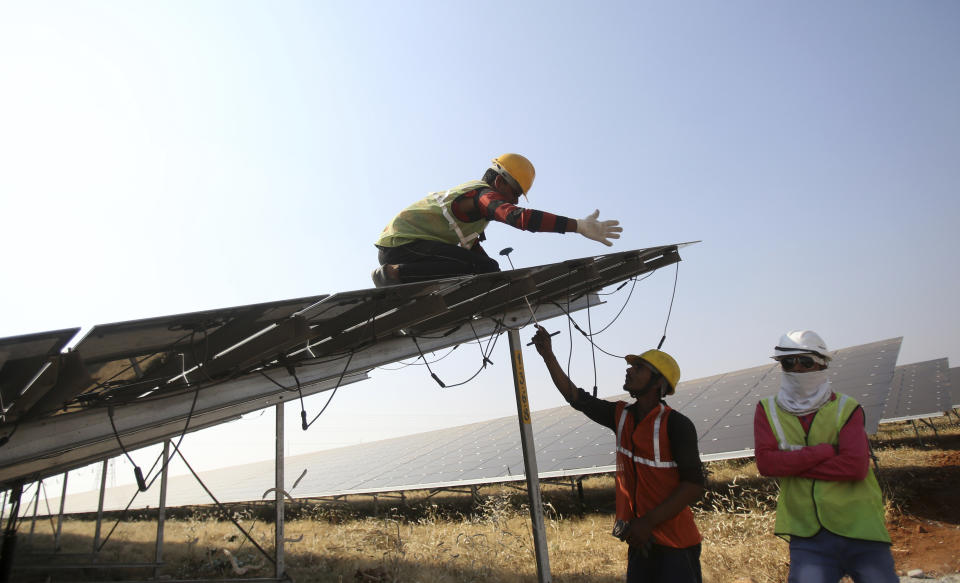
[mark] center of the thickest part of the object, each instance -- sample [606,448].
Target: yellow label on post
[522,387]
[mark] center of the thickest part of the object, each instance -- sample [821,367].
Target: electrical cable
[433,374]
[137,472]
[593,351]
[332,395]
[676,275]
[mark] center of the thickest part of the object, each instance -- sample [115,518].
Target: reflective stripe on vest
[645,481]
[465,242]
[431,219]
[805,505]
[656,462]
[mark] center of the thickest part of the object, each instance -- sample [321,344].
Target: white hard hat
[801,342]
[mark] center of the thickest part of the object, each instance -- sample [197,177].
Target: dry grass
[452,537]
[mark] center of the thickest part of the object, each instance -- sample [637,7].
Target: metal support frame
[33,519]
[63,501]
[103,493]
[529,458]
[930,424]
[162,509]
[10,534]
[278,493]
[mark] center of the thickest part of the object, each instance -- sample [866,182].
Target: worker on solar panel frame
[439,236]
[659,472]
[830,508]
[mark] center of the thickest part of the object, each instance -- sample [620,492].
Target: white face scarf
[803,392]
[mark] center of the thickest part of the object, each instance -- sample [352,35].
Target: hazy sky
[167,157]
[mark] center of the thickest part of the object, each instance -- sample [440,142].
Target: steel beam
[529,458]
[278,492]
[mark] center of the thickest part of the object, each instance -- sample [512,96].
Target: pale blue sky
[167,157]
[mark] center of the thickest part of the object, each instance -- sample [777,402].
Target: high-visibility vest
[432,219]
[647,475]
[850,509]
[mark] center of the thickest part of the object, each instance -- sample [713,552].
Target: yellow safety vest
[850,509]
[432,219]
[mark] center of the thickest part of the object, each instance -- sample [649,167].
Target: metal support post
[162,510]
[103,491]
[529,458]
[33,520]
[63,500]
[10,535]
[930,424]
[278,492]
[3,507]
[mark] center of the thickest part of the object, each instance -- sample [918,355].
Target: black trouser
[662,564]
[425,260]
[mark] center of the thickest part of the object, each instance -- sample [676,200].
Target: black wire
[117,435]
[593,352]
[676,275]
[404,365]
[486,359]
[333,394]
[579,329]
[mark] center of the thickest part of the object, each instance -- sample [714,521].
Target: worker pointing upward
[439,235]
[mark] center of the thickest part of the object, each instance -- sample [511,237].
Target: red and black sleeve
[495,207]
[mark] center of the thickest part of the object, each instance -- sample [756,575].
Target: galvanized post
[33,520]
[3,507]
[63,500]
[10,535]
[162,509]
[278,492]
[103,491]
[529,458]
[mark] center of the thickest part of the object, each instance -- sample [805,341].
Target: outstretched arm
[545,348]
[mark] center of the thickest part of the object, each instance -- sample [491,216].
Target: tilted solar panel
[920,390]
[172,360]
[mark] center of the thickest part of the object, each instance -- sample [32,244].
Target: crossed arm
[848,462]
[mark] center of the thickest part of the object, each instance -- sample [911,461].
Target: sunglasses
[792,362]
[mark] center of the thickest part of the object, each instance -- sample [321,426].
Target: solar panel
[305,341]
[27,365]
[568,443]
[920,390]
[955,385]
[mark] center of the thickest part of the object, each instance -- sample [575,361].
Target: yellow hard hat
[516,170]
[661,362]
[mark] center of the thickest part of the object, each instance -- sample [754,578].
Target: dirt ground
[926,529]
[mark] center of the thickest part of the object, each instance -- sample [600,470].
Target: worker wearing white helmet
[439,235]
[812,439]
[659,473]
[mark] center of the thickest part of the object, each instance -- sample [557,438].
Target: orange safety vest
[647,475]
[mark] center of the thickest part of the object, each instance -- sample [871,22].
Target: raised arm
[563,383]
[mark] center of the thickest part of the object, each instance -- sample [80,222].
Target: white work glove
[600,231]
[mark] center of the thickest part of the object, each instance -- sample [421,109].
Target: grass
[454,537]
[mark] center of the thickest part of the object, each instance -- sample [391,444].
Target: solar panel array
[56,405]
[955,386]
[568,443]
[919,391]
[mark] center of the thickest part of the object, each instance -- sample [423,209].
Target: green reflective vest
[850,509]
[432,219]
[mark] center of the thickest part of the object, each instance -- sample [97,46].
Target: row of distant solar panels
[568,444]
